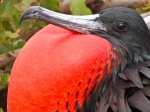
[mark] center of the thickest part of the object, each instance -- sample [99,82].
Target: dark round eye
[121,26]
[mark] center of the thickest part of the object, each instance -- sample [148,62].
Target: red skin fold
[54,68]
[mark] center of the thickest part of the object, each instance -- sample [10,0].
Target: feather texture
[130,92]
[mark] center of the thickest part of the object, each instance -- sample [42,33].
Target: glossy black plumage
[130,90]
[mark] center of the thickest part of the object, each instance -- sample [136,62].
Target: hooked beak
[83,24]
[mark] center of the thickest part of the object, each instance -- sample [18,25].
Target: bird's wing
[129,93]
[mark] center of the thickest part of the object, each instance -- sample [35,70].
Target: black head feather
[126,29]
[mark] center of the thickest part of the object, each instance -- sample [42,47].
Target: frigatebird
[125,82]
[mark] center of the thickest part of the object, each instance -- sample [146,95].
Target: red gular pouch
[56,71]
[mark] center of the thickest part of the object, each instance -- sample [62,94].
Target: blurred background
[13,36]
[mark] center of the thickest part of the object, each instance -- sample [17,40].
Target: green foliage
[27,3]
[143,9]
[10,12]
[78,7]
[9,26]
[50,4]
[3,81]
[1,110]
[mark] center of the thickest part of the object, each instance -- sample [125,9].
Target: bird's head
[123,27]
[61,70]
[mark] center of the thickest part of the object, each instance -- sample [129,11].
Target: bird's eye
[120,26]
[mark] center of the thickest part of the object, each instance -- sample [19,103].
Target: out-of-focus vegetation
[10,11]
[1,110]
[13,36]
[143,9]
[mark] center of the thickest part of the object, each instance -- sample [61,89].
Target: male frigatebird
[104,67]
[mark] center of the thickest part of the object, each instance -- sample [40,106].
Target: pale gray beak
[83,24]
